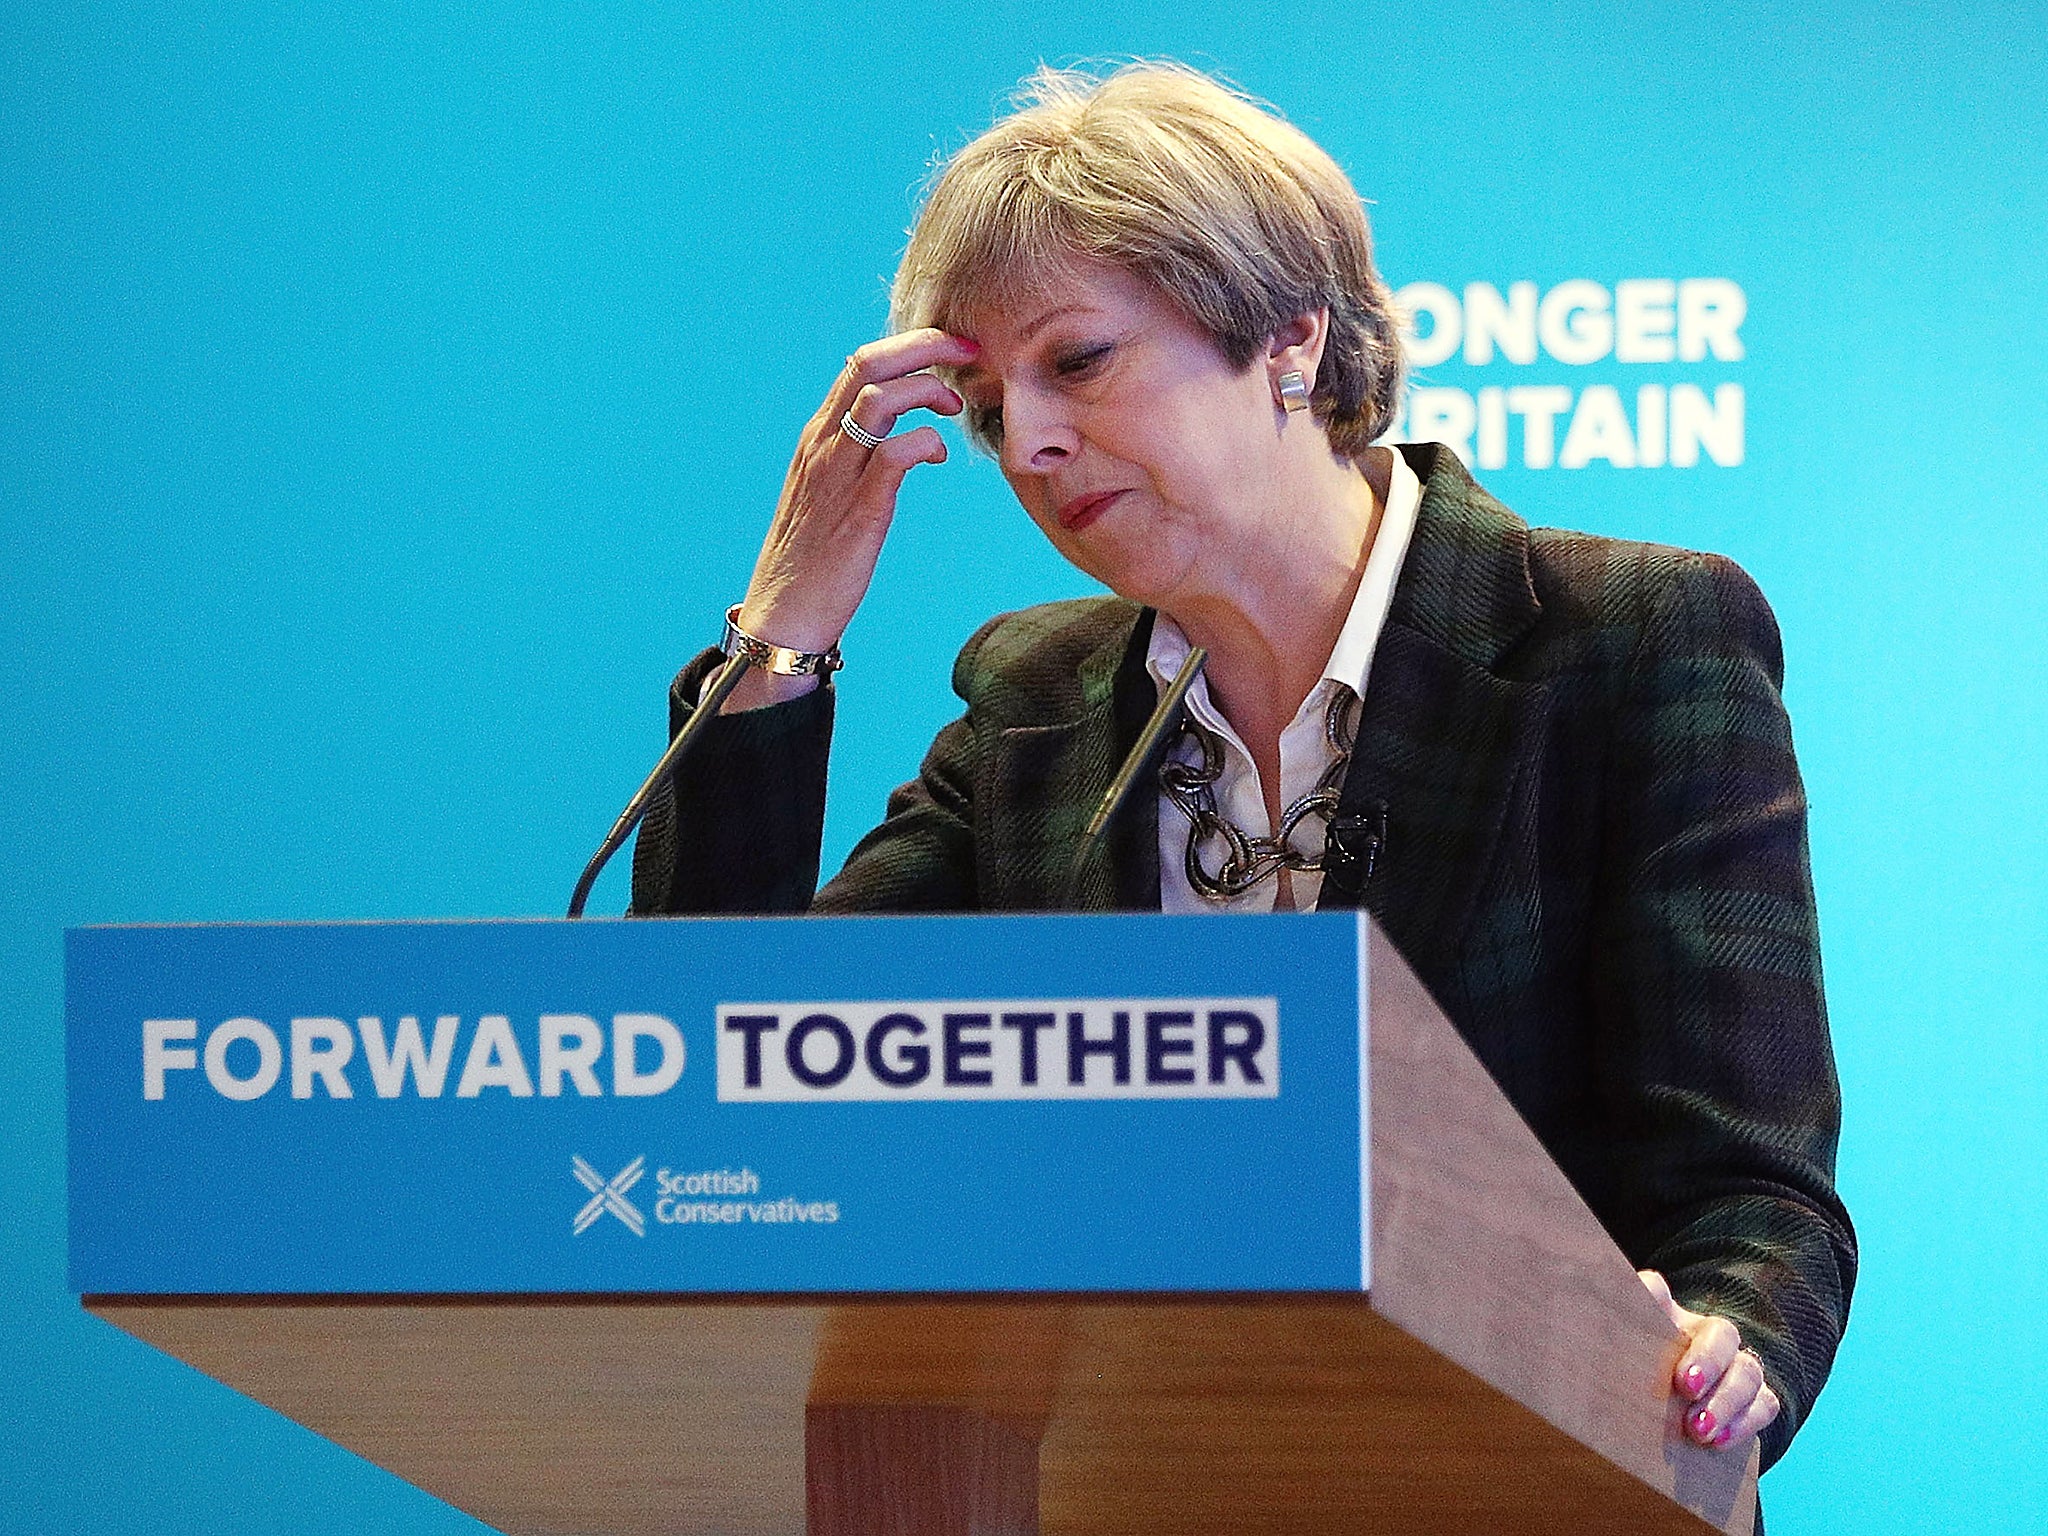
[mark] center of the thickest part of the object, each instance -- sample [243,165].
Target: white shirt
[1305,750]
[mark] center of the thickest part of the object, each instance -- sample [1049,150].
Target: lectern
[1075,1224]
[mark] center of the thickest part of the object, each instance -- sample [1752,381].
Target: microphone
[722,683]
[1149,742]
[1353,848]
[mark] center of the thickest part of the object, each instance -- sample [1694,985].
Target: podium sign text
[1064,1103]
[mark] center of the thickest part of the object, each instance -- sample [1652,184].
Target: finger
[830,460]
[878,407]
[1751,1421]
[892,357]
[1691,1375]
[1733,1393]
[1660,1292]
[873,504]
[888,464]
[1707,1356]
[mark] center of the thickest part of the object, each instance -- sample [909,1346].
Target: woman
[1568,793]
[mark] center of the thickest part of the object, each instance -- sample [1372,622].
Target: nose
[1038,431]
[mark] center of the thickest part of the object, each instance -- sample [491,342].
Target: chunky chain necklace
[1248,860]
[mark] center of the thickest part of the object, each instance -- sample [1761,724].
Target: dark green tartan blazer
[1594,857]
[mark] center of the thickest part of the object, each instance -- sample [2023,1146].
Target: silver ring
[857,432]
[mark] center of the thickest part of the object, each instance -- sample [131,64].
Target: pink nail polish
[1703,1423]
[1695,1378]
[1726,1431]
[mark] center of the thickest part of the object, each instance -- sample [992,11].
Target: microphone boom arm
[1147,747]
[722,683]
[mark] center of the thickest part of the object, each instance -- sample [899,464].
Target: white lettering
[159,1055]
[1442,416]
[1446,323]
[1695,424]
[1577,322]
[494,1061]
[628,1030]
[269,1059]
[1643,319]
[1710,311]
[1509,323]
[429,1068]
[1539,406]
[558,1056]
[321,1048]
[1574,323]
[1493,428]
[715,1181]
[1650,426]
[1599,430]
[668,1209]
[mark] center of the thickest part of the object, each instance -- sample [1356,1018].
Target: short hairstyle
[1236,215]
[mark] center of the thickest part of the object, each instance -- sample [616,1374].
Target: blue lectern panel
[903,1103]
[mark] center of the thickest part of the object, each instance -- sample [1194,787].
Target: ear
[1297,347]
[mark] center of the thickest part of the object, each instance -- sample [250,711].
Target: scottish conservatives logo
[735,1200]
[609,1194]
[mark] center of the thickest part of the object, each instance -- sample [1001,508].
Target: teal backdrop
[392,396]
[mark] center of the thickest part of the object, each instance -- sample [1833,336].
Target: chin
[1134,569]
[1137,580]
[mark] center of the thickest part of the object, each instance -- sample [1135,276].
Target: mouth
[1083,510]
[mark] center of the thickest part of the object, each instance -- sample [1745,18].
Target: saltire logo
[610,1195]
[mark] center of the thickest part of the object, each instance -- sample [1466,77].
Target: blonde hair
[1236,215]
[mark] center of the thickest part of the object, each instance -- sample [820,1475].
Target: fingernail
[1726,1431]
[1703,1423]
[1695,1378]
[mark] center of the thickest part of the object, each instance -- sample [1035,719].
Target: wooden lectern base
[1508,1374]
[916,1417]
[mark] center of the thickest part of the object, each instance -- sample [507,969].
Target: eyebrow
[973,370]
[1047,318]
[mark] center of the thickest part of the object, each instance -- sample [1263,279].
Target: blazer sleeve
[1714,1055]
[739,825]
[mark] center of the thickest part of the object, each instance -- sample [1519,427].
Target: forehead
[1027,308]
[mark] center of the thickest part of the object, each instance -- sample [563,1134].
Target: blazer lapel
[1044,782]
[1442,738]
[1442,735]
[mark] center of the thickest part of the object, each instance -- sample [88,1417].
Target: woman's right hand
[839,499]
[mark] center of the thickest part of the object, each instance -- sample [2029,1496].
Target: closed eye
[1081,361]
